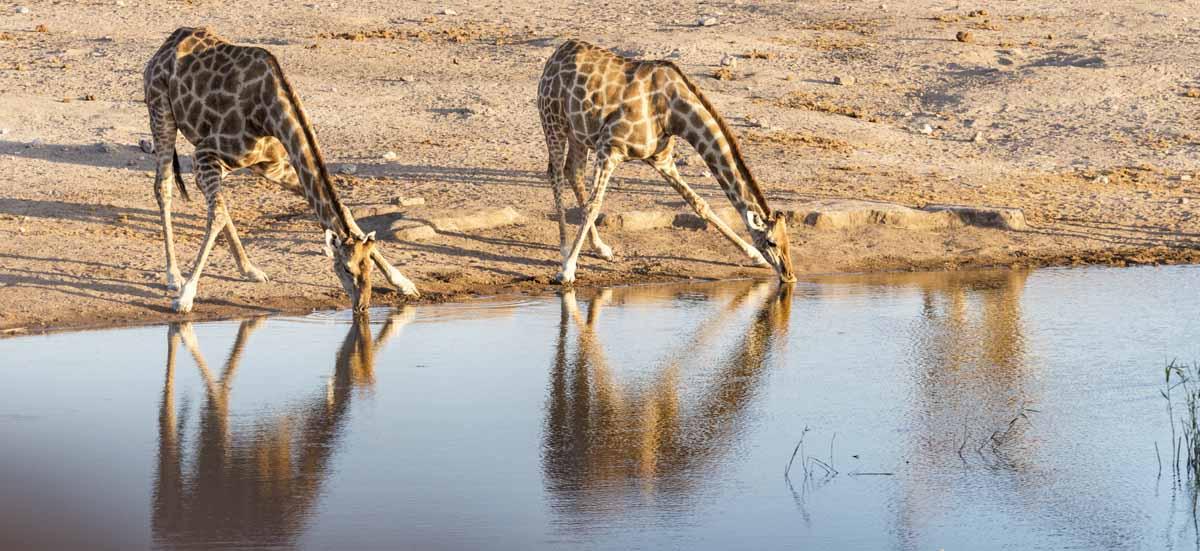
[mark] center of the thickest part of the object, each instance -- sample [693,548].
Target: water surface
[980,410]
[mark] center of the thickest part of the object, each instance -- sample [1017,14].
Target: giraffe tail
[183,192]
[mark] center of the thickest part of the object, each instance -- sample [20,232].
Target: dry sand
[1085,114]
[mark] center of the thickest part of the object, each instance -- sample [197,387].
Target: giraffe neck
[298,139]
[710,136]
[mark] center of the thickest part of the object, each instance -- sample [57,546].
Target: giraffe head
[771,239]
[352,264]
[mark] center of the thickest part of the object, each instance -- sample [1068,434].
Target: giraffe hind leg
[555,146]
[163,131]
[577,157]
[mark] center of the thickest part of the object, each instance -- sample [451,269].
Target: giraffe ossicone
[234,104]
[591,99]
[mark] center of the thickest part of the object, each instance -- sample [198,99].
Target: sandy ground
[1084,112]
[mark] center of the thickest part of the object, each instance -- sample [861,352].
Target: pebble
[106,148]
[4,131]
[389,156]
[729,61]
[410,201]
[348,169]
[1183,200]
[21,9]
[978,138]
[1100,180]
[448,11]
[1185,177]
[707,22]
[964,36]
[407,78]
[844,81]
[926,129]
[145,145]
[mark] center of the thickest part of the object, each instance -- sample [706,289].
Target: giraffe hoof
[181,305]
[255,274]
[564,279]
[605,252]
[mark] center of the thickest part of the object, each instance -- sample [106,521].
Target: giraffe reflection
[660,431]
[252,485]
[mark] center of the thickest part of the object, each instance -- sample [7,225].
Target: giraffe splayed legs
[625,109]
[235,105]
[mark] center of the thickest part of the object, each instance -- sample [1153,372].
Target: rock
[926,129]
[146,146]
[707,22]
[4,131]
[843,81]
[448,11]
[979,138]
[409,230]
[106,148]
[1100,180]
[640,220]
[1183,200]
[389,156]
[21,9]
[729,61]
[964,36]
[1185,177]
[409,201]
[478,220]
[839,214]
[1002,218]
[348,169]
[407,78]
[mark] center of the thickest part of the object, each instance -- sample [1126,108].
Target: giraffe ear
[330,240]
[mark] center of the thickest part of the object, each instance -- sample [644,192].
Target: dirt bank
[1081,115]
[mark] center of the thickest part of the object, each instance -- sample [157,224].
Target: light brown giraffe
[626,109]
[235,105]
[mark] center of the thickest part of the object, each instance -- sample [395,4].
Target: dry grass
[432,32]
[813,102]
[794,139]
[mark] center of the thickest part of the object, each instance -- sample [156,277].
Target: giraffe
[235,105]
[626,109]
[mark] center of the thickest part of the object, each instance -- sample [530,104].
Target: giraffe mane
[318,158]
[744,170]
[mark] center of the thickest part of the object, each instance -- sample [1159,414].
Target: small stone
[979,138]
[348,169]
[21,9]
[1183,200]
[1182,177]
[106,148]
[407,78]
[120,3]
[926,129]
[707,22]
[448,11]
[729,61]
[146,146]
[4,131]
[1100,180]
[389,156]
[410,201]
[844,81]
[41,28]
[964,36]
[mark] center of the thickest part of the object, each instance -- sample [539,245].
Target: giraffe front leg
[209,178]
[394,277]
[667,169]
[248,269]
[606,163]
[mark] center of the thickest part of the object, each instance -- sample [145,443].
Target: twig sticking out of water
[799,444]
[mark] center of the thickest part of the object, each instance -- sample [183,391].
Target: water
[980,410]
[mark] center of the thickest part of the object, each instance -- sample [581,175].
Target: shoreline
[98,321]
